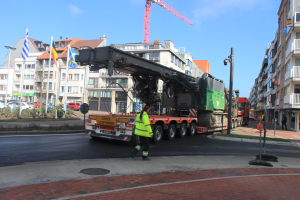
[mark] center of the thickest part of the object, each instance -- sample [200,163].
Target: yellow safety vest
[143,128]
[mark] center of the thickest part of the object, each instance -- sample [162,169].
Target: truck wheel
[182,130]
[192,130]
[171,132]
[157,133]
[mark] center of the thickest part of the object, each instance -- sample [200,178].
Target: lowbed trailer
[121,127]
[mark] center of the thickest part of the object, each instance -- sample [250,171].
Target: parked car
[49,105]
[2,104]
[31,105]
[37,104]
[74,106]
[13,105]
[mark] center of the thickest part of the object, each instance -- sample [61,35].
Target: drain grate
[95,171]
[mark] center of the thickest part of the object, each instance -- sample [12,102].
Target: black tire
[72,109]
[192,130]
[157,134]
[171,132]
[182,130]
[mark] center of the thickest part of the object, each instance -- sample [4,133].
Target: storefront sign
[24,94]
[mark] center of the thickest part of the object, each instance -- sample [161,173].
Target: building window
[76,77]
[19,66]
[62,44]
[93,93]
[80,89]
[63,76]
[91,81]
[176,61]
[62,88]
[70,76]
[154,56]
[69,89]
[172,58]
[106,94]
[81,76]
[286,90]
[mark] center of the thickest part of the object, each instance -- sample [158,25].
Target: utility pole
[231,60]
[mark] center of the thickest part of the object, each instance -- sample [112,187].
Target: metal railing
[293,98]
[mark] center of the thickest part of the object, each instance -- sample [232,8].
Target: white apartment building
[29,71]
[6,83]
[107,94]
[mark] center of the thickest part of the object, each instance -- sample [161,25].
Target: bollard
[55,113]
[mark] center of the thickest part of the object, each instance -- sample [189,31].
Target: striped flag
[25,49]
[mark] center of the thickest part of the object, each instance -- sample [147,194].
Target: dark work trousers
[144,143]
[284,124]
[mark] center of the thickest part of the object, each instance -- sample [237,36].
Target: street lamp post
[8,67]
[231,60]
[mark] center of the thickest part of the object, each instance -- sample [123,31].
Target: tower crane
[164,5]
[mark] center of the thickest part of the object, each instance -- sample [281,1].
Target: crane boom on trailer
[203,96]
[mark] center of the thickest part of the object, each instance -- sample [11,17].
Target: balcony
[293,100]
[293,73]
[38,79]
[39,68]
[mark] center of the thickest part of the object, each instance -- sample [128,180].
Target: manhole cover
[95,171]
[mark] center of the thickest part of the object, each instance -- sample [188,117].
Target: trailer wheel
[171,132]
[182,130]
[157,133]
[192,130]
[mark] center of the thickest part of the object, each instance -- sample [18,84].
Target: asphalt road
[18,149]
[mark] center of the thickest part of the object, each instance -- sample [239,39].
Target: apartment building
[77,78]
[6,80]
[114,94]
[36,47]
[279,78]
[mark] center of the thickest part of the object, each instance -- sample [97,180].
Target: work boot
[146,158]
[133,152]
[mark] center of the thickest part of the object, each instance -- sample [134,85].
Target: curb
[250,140]
[10,133]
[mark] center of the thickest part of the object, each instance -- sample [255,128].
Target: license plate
[107,121]
[105,132]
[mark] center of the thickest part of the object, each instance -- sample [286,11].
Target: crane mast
[147,16]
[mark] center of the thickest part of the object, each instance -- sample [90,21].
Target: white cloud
[75,10]
[212,9]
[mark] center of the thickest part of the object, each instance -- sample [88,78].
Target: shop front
[28,97]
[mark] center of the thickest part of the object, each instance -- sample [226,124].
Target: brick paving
[238,183]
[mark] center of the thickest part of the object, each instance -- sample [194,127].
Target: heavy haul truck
[195,104]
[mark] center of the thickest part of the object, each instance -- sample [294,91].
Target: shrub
[69,113]
[6,111]
[15,112]
[52,112]
[26,112]
[60,113]
[34,113]
[41,111]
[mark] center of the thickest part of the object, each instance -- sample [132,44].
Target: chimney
[103,43]
[60,37]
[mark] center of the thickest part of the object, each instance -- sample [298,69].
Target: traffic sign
[259,127]
[137,105]
[84,108]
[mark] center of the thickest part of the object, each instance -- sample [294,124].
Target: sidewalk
[190,177]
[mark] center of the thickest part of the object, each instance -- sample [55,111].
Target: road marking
[177,182]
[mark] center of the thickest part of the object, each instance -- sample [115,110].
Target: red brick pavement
[244,183]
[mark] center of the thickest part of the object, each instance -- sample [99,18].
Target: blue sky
[245,25]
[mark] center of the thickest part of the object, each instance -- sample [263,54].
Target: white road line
[177,182]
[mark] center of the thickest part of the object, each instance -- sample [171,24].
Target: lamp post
[231,60]
[8,67]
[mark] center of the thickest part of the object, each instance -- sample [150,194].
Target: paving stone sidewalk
[237,183]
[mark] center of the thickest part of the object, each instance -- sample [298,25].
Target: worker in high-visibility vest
[144,131]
